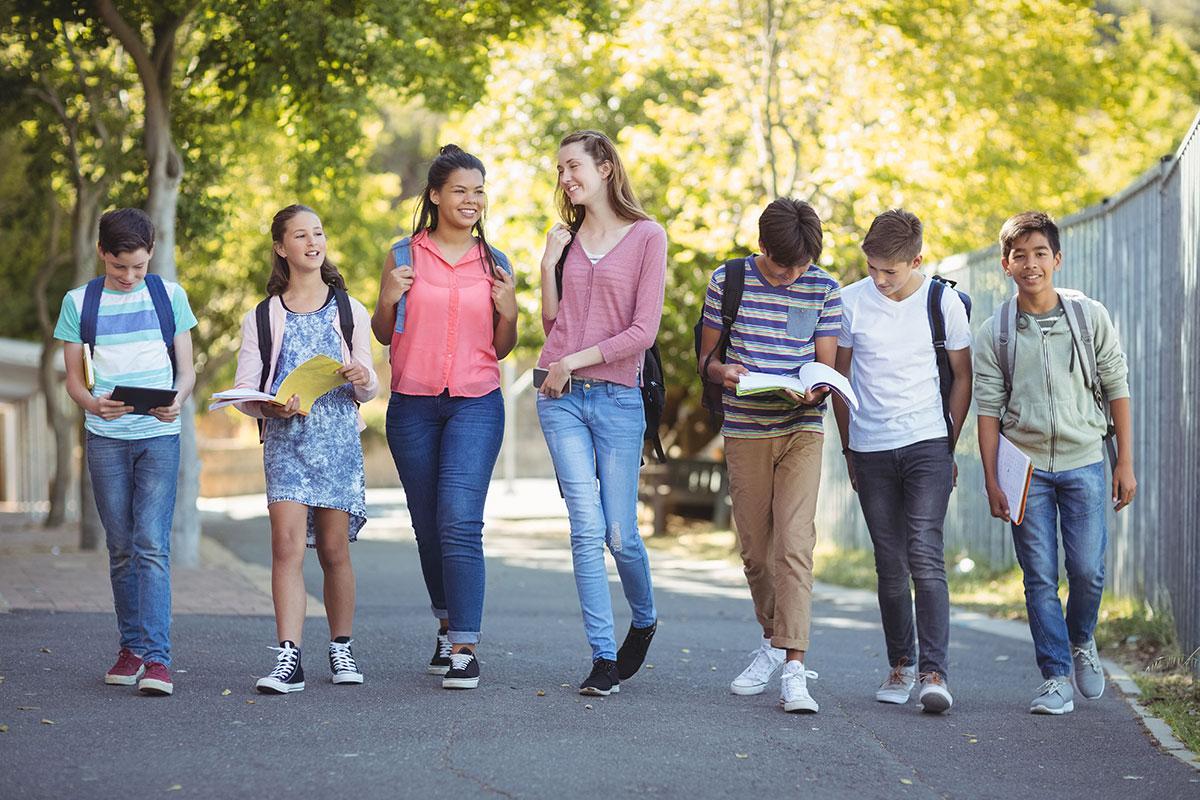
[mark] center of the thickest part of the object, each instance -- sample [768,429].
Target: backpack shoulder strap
[345,316]
[262,320]
[1080,323]
[91,312]
[1004,339]
[402,257]
[731,301]
[501,260]
[166,315]
[937,329]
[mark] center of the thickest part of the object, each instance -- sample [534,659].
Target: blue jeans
[134,483]
[904,494]
[445,449]
[594,434]
[1079,498]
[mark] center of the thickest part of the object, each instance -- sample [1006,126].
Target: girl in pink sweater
[611,258]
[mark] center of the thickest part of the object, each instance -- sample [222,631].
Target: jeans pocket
[801,322]
[629,398]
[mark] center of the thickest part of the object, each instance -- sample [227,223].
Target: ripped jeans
[594,434]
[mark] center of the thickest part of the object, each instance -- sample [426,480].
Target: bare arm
[100,406]
[1124,483]
[841,412]
[960,392]
[989,443]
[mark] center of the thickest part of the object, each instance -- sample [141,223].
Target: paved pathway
[673,731]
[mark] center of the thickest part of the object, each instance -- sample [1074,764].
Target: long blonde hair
[620,193]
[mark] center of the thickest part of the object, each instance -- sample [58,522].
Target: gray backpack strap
[1084,341]
[1004,339]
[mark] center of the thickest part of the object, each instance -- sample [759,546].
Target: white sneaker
[897,686]
[935,694]
[793,695]
[754,678]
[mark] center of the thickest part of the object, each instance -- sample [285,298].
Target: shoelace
[444,646]
[1087,655]
[460,660]
[805,673]
[762,663]
[1051,685]
[933,677]
[342,658]
[897,677]
[285,662]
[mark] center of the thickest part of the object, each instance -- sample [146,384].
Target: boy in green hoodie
[1046,409]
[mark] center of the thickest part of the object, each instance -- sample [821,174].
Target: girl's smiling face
[581,178]
[461,200]
[303,243]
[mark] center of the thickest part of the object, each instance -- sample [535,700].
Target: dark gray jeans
[904,494]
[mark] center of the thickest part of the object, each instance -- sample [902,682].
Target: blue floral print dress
[316,460]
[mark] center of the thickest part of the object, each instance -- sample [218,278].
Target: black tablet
[143,399]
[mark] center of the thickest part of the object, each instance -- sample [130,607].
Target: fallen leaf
[714,669]
[1002,658]
[649,666]
[251,702]
[685,659]
[49,722]
[29,708]
[972,741]
[816,729]
[541,693]
[326,722]
[906,781]
[685,650]
[741,755]
[227,691]
[175,788]
[588,706]
[1134,778]
[45,649]
[3,728]
[565,684]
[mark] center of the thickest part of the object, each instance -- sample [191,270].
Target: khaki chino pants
[773,487]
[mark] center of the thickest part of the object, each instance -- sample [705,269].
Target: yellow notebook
[310,380]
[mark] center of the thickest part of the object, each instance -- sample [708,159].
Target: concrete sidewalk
[673,731]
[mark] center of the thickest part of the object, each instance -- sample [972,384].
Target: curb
[1156,726]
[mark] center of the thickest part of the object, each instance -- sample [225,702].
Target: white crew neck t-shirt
[894,368]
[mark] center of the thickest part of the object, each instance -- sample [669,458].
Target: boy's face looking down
[777,274]
[124,272]
[1031,263]
[895,280]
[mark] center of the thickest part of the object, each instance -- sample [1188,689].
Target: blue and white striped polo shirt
[129,351]
[775,332]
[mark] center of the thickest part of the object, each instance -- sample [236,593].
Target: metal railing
[1137,252]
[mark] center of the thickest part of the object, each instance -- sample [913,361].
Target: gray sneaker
[1089,675]
[897,686]
[1055,696]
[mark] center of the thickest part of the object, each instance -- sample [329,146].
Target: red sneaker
[127,670]
[157,680]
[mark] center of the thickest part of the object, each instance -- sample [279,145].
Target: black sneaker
[603,680]
[288,675]
[633,650]
[463,672]
[441,654]
[341,662]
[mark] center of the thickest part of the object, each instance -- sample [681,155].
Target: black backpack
[262,321]
[937,326]
[654,390]
[731,299]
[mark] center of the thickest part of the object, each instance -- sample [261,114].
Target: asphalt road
[673,731]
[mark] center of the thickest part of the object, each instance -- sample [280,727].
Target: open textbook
[310,380]
[1013,471]
[811,375]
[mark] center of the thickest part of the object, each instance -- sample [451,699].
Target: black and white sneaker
[341,662]
[288,675]
[441,654]
[603,681]
[463,672]
[633,650]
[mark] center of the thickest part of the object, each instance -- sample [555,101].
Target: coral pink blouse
[448,328]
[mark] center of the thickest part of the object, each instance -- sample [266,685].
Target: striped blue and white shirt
[775,332]
[129,351]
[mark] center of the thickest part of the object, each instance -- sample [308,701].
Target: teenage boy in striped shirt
[790,314]
[133,458]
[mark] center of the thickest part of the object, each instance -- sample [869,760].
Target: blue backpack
[162,308]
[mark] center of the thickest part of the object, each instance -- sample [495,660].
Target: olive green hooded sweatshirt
[1051,416]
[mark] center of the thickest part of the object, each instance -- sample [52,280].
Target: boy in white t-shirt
[898,451]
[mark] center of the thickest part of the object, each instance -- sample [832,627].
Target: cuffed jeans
[594,434]
[1078,498]
[773,487]
[134,482]
[904,494]
[445,449]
